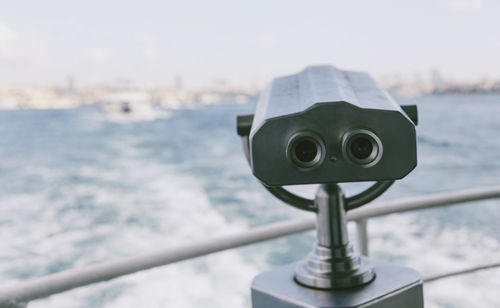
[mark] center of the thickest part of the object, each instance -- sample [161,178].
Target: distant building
[178,82]
[70,84]
[437,79]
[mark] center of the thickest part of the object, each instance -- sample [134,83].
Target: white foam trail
[160,210]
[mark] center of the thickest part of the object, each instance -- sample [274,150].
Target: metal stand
[394,287]
[333,274]
[333,264]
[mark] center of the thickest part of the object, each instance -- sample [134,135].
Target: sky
[246,42]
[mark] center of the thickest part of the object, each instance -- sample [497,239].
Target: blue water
[77,188]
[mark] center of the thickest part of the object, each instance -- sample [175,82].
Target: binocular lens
[361,148]
[306,151]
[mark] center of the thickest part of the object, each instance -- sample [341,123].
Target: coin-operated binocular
[327,126]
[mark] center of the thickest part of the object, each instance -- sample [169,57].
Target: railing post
[362,236]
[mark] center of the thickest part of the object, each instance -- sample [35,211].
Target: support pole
[333,275]
[362,236]
[333,263]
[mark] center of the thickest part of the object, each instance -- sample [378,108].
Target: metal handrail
[462,272]
[56,283]
[361,216]
[73,278]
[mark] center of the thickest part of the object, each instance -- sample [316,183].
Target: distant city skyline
[196,42]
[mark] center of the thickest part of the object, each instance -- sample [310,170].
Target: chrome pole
[333,263]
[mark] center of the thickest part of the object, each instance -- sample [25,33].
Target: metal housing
[329,103]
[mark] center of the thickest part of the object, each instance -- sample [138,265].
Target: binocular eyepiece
[306,150]
[360,147]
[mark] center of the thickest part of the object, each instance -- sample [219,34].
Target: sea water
[78,187]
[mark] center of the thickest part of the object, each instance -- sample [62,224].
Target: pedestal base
[394,287]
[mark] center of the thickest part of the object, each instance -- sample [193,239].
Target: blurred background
[117,137]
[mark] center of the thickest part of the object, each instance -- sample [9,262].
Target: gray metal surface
[318,84]
[329,103]
[394,287]
[59,282]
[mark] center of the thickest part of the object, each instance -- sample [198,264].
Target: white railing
[19,295]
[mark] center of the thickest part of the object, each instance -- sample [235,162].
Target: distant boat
[126,107]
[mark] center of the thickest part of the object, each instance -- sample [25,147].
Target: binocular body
[325,125]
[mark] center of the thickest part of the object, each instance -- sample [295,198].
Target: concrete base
[394,287]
